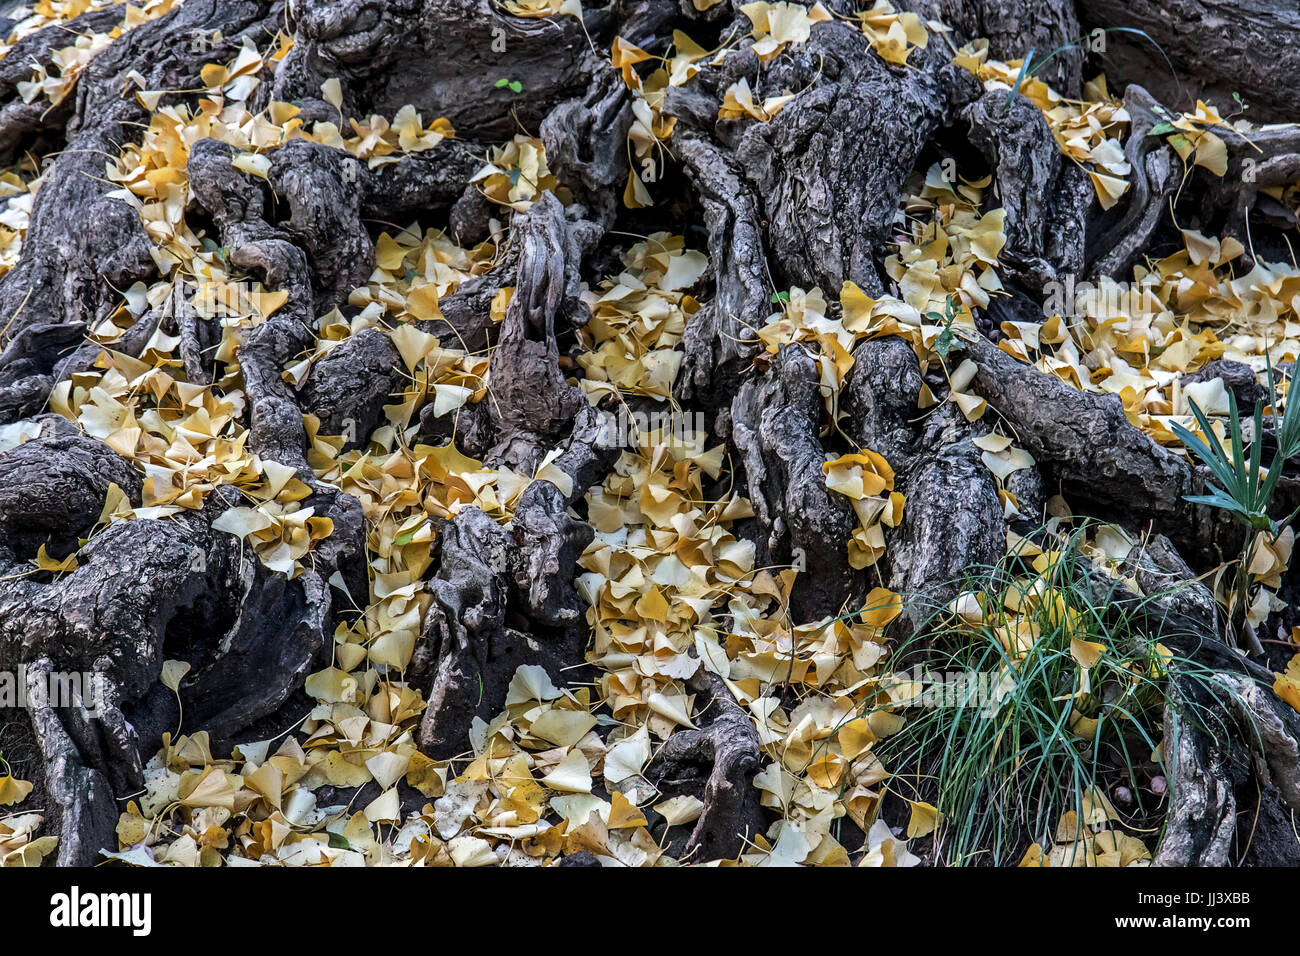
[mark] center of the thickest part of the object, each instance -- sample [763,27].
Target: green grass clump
[1062,696]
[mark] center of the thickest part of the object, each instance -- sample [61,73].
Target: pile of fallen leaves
[662,564]
[17,193]
[1140,340]
[52,82]
[19,843]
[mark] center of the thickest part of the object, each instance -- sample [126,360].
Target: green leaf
[1211,458]
[1256,454]
[943,344]
[338,842]
[516,86]
[1219,500]
[1213,455]
[1288,432]
[1286,429]
[1242,494]
[501,82]
[1024,70]
[1160,129]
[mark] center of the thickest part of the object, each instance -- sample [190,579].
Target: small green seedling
[946,341]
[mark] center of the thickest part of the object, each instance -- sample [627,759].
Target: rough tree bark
[807,199]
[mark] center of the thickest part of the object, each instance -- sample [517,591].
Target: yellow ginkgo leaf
[332,90]
[13,791]
[1287,685]
[570,775]
[172,673]
[622,814]
[923,820]
[44,562]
